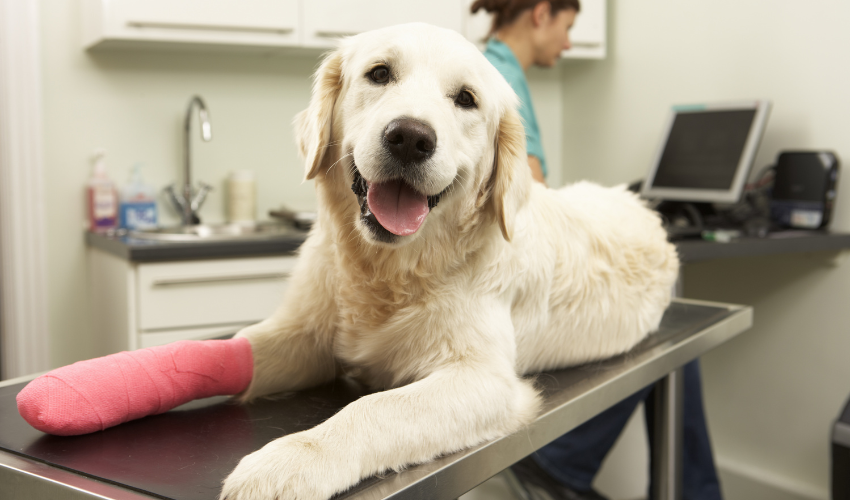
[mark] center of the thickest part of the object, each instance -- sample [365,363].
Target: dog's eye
[465,99]
[380,74]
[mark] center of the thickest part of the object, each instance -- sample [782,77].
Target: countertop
[780,242]
[139,250]
[690,250]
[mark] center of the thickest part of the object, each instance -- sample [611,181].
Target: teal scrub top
[501,56]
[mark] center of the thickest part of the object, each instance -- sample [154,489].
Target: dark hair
[505,12]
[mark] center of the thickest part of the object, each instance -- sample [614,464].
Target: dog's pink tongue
[398,208]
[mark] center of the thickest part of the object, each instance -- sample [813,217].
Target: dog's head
[421,126]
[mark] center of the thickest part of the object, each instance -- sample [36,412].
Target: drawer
[210,293]
[175,23]
[162,337]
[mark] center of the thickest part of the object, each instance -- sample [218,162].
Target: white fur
[504,278]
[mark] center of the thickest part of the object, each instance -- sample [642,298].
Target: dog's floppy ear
[511,175]
[313,125]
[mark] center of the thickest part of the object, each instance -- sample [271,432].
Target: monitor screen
[707,152]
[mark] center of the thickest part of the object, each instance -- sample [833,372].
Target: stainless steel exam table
[184,454]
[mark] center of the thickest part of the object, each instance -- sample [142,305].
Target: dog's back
[599,275]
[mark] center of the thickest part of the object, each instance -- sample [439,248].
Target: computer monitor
[706,152]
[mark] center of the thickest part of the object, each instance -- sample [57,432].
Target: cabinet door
[476,26]
[327,20]
[587,35]
[224,22]
[196,294]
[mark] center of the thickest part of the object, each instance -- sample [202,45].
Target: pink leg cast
[96,394]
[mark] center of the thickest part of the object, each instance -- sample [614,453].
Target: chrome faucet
[189,201]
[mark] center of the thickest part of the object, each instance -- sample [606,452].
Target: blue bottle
[138,202]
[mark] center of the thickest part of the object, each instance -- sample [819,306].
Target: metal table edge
[55,482]
[21,379]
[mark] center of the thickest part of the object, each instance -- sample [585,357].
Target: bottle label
[138,215]
[103,202]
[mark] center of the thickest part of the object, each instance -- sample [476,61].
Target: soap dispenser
[101,197]
[138,202]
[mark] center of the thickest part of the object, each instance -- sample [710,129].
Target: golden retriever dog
[437,272]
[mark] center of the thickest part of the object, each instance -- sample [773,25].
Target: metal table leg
[667,437]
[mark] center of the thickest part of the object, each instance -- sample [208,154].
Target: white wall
[132,103]
[547,95]
[772,393]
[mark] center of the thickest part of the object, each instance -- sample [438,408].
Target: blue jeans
[574,458]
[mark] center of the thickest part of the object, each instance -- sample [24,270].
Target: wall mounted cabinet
[273,25]
[327,20]
[233,23]
[588,34]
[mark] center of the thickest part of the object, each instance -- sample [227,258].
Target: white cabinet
[477,26]
[299,24]
[137,305]
[204,293]
[588,34]
[249,23]
[326,20]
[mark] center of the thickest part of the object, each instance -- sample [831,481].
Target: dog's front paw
[297,466]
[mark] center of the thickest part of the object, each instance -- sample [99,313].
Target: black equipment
[804,189]
[841,455]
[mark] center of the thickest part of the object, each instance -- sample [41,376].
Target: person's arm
[536,169]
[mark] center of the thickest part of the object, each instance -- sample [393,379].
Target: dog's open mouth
[392,205]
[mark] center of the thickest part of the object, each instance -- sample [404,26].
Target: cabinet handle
[218,279]
[336,34]
[208,27]
[586,45]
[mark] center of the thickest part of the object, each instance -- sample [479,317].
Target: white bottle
[241,197]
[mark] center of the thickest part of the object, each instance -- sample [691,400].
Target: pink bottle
[101,197]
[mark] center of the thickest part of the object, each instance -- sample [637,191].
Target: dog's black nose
[410,140]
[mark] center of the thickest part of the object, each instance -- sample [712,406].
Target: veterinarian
[529,33]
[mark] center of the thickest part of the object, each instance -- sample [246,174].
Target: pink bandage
[96,394]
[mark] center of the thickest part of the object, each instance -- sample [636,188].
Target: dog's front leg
[462,404]
[292,349]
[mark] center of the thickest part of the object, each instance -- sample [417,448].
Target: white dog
[437,269]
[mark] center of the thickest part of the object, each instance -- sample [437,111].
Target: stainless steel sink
[216,232]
